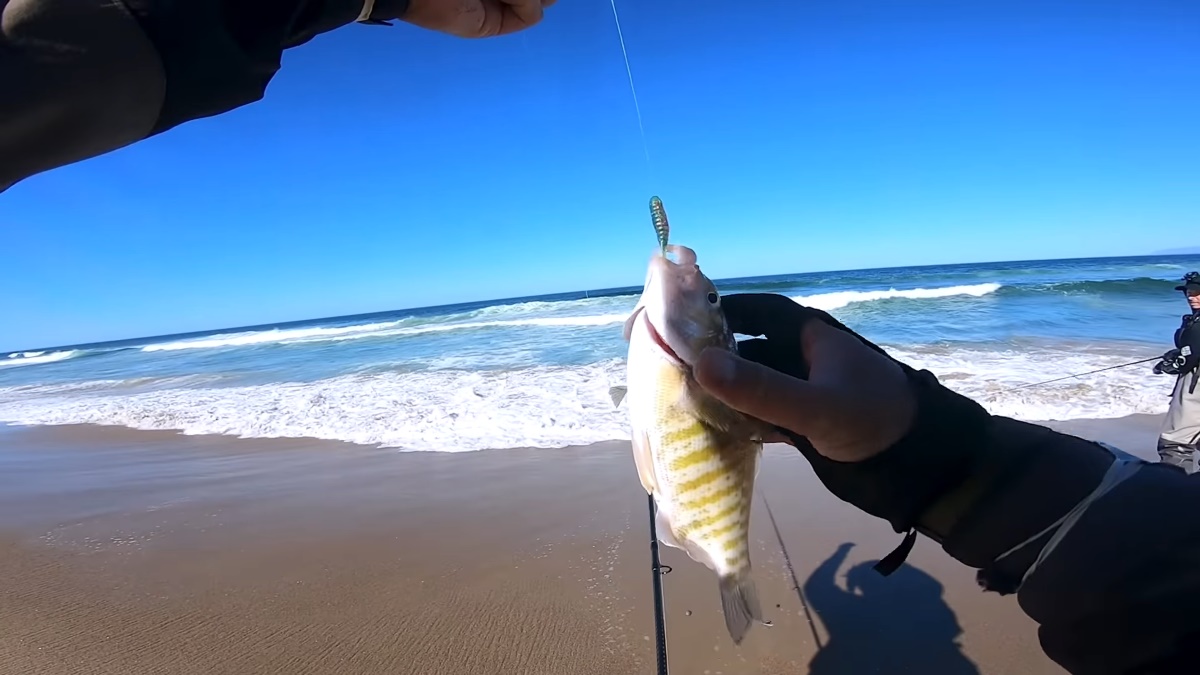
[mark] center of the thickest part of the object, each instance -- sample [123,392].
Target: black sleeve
[1190,337]
[1118,587]
[1121,592]
[85,77]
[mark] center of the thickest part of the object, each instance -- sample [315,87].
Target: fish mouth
[660,341]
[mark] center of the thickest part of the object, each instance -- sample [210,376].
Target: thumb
[759,391]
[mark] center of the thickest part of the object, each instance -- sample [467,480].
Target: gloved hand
[811,376]
[879,435]
[1171,364]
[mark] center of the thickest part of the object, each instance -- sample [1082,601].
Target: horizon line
[613,291]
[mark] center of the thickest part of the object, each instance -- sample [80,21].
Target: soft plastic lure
[659,216]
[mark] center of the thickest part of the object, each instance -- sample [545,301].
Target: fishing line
[657,569]
[787,560]
[636,107]
[1067,377]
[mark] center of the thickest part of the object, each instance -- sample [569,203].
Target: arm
[85,77]
[1186,355]
[1117,593]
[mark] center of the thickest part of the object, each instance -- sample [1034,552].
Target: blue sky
[394,167]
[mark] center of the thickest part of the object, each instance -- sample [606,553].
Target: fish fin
[644,461]
[666,534]
[757,450]
[627,329]
[739,603]
[662,526]
[618,394]
[716,414]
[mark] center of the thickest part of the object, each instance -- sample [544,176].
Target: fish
[696,456]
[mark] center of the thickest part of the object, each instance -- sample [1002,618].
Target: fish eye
[712,298]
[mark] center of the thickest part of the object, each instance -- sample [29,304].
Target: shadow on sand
[894,624]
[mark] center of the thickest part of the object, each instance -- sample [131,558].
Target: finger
[827,332]
[768,314]
[778,317]
[519,14]
[776,437]
[782,355]
[762,392]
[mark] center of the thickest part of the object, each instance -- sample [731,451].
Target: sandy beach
[150,552]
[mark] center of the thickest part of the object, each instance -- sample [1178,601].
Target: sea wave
[34,358]
[545,406]
[565,314]
[273,335]
[1145,286]
[839,299]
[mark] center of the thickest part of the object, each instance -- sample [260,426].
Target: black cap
[1191,282]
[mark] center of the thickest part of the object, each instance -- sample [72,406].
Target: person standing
[1181,429]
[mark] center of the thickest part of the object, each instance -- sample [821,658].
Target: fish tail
[739,602]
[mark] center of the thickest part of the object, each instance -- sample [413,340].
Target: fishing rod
[657,569]
[1067,377]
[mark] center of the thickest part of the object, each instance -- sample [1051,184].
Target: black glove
[901,482]
[1172,363]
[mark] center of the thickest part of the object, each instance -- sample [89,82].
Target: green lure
[659,216]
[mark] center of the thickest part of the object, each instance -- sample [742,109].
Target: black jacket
[80,78]
[1188,335]
[1119,594]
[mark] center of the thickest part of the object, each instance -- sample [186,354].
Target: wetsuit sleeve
[84,77]
[1120,591]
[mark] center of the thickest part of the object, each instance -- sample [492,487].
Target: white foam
[839,299]
[461,410]
[533,314]
[543,322]
[446,411]
[33,358]
[310,335]
[990,377]
[266,336]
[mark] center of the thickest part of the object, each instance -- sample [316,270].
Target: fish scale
[704,477]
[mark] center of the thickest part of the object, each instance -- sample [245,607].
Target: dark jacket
[1188,335]
[80,78]
[1119,594]
[1118,591]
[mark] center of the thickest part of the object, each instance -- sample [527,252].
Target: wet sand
[150,552]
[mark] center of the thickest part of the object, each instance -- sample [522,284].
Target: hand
[811,376]
[1171,364]
[475,18]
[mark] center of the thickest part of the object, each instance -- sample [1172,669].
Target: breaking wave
[34,358]
[837,300]
[574,314]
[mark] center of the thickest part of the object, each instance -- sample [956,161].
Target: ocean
[536,371]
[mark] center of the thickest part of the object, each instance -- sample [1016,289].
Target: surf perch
[696,456]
